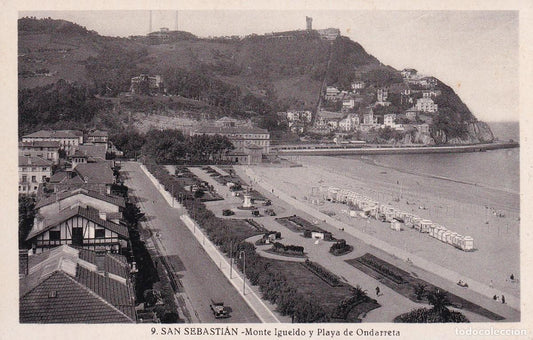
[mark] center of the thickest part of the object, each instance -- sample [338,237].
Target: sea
[499,169]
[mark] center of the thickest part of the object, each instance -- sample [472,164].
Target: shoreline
[391,150]
[445,202]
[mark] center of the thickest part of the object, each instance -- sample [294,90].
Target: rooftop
[31,160]
[89,213]
[95,173]
[222,130]
[66,285]
[55,134]
[118,201]
[41,144]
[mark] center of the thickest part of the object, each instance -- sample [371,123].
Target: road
[199,276]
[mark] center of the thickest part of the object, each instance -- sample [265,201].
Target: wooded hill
[254,76]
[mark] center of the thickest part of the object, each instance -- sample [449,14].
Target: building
[382,95]
[109,204]
[68,285]
[426,105]
[97,137]
[411,113]
[358,85]
[91,152]
[48,150]
[329,33]
[430,93]
[389,120]
[145,84]
[68,139]
[408,73]
[332,93]
[91,176]
[240,136]
[299,116]
[348,103]
[309,23]
[32,172]
[79,225]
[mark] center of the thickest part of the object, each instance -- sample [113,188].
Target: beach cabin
[468,243]
[396,225]
[451,237]
[331,194]
[416,222]
[424,226]
[445,236]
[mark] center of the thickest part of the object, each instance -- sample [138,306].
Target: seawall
[390,150]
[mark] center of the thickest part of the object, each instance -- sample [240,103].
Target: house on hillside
[408,73]
[332,93]
[32,172]
[146,84]
[79,225]
[426,105]
[358,85]
[97,137]
[69,285]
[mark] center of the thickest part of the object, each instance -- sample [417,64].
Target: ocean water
[499,169]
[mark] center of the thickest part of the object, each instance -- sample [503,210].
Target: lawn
[323,293]
[242,228]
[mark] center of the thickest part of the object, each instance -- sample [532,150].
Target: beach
[461,206]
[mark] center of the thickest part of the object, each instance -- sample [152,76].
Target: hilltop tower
[309,22]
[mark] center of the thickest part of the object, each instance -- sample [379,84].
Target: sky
[474,52]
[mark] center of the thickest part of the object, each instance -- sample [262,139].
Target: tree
[420,290]
[440,302]
[26,216]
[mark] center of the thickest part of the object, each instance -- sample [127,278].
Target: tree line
[172,146]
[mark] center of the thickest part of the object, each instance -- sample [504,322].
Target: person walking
[503,298]
[377,291]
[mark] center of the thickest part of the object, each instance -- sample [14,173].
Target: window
[24,178]
[99,233]
[33,179]
[43,179]
[55,235]
[45,169]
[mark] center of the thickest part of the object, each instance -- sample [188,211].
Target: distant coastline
[392,150]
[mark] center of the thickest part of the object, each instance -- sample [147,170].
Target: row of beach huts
[370,208]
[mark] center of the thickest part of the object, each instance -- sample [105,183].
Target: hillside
[253,76]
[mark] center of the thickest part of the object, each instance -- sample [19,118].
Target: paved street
[200,277]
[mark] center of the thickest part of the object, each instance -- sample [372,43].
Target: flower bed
[328,277]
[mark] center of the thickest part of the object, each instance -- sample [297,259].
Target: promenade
[438,275]
[392,302]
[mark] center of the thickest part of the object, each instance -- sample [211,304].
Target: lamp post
[231,260]
[243,255]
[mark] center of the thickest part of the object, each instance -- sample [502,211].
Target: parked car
[270,212]
[227,212]
[217,307]
[255,213]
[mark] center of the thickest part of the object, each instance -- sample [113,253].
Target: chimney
[99,260]
[102,215]
[23,263]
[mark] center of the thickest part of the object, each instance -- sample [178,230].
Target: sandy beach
[460,207]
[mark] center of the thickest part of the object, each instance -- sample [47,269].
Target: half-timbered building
[80,226]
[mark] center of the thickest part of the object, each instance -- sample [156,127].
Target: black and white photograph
[250,172]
